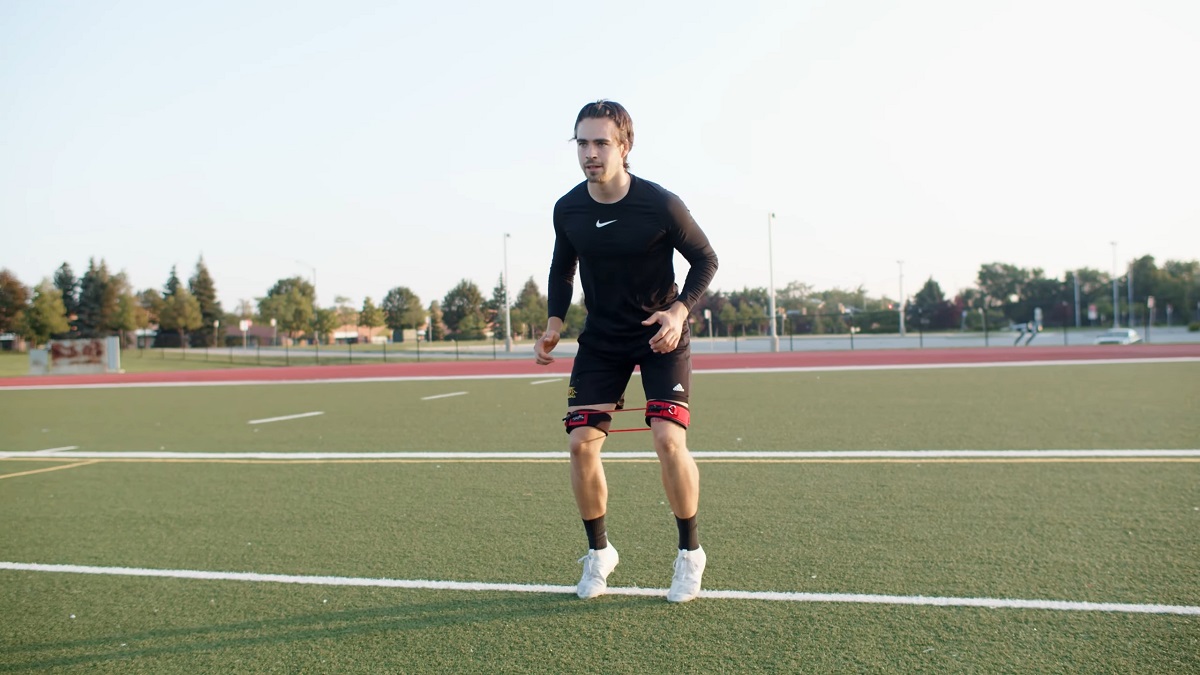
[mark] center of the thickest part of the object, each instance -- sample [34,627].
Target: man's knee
[585,442]
[670,439]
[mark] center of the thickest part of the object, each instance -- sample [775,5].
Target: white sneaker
[597,565]
[689,567]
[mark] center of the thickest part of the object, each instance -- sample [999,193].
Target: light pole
[274,334]
[1116,306]
[771,289]
[901,264]
[507,312]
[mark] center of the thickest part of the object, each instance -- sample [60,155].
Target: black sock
[689,538]
[597,534]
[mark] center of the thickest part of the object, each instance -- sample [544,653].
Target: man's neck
[611,192]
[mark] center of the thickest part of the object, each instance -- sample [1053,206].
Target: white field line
[453,393]
[286,418]
[700,454]
[424,584]
[530,376]
[51,451]
[557,379]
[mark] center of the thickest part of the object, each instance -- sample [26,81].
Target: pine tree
[68,289]
[205,291]
[97,301]
[173,284]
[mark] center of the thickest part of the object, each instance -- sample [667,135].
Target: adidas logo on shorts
[677,387]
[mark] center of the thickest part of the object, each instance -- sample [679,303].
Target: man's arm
[692,243]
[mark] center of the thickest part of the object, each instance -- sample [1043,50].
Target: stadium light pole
[901,264]
[507,313]
[771,281]
[1116,306]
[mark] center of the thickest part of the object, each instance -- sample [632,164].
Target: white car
[1118,336]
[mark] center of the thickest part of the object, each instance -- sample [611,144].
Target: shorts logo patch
[677,387]
[571,392]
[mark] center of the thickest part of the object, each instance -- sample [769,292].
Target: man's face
[601,155]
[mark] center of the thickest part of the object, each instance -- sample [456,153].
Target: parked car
[1118,336]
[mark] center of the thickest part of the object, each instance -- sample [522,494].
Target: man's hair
[618,114]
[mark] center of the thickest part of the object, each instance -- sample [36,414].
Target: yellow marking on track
[50,468]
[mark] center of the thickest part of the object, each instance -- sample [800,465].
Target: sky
[371,145]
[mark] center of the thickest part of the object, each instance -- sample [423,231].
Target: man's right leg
[591,497]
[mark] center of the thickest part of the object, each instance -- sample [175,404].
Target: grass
[1080,531]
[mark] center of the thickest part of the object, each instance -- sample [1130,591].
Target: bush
[1194,327]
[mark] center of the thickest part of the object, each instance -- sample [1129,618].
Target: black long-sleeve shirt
[625,255]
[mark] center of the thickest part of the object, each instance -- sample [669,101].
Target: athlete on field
[622,232]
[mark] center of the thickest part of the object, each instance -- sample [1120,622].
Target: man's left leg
[681,480]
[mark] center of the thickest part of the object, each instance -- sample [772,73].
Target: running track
[700,362]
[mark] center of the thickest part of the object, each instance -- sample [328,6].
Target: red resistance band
[666,410]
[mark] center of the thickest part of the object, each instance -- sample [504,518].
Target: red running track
[700,362]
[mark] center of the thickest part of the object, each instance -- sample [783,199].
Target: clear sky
[393,143]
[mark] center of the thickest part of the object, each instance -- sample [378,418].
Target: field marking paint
[455,393]
[285,418]
[529,376]
[557,379]
[51,451]
[715,455]
[51,468]
[770,596]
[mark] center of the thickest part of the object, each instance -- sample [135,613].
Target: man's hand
[671,321]
[548,341]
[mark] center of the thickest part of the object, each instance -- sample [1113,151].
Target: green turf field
[1096,531]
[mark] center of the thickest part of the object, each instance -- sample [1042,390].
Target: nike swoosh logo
[600,224]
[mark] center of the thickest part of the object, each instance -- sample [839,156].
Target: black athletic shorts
[600,376]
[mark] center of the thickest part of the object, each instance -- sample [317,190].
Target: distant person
[622,232]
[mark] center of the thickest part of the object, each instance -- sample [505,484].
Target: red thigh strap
[667,410]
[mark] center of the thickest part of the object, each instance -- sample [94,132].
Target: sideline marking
[425,584]
[456,393]
[917,455]
[52,468]
[557,379]
[285,418]
[529,376]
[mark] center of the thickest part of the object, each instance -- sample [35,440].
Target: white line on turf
[557,379]
[699,454]
[528,376]
[51,451]
[285,418]
[454,393]
[425,584]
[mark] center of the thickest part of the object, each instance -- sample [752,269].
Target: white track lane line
[699,454]
[455,393]
[557,379]
[285,418]
[770,596]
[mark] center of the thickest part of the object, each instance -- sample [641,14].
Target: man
[623,232]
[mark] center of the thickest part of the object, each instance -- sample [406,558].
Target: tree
[532,308]
[929,304]
[152,302]
[129,315]
[493,309]
[181,313]
[46,315]
[370,315]
[13,298]
[729,317]
[173,284]
[97,301]
[68,288]
[471,327]
[437,326]
[402,309]
[290,302]
[325,322]
[205,291]
[574,320]
[462,301]
[346,314]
